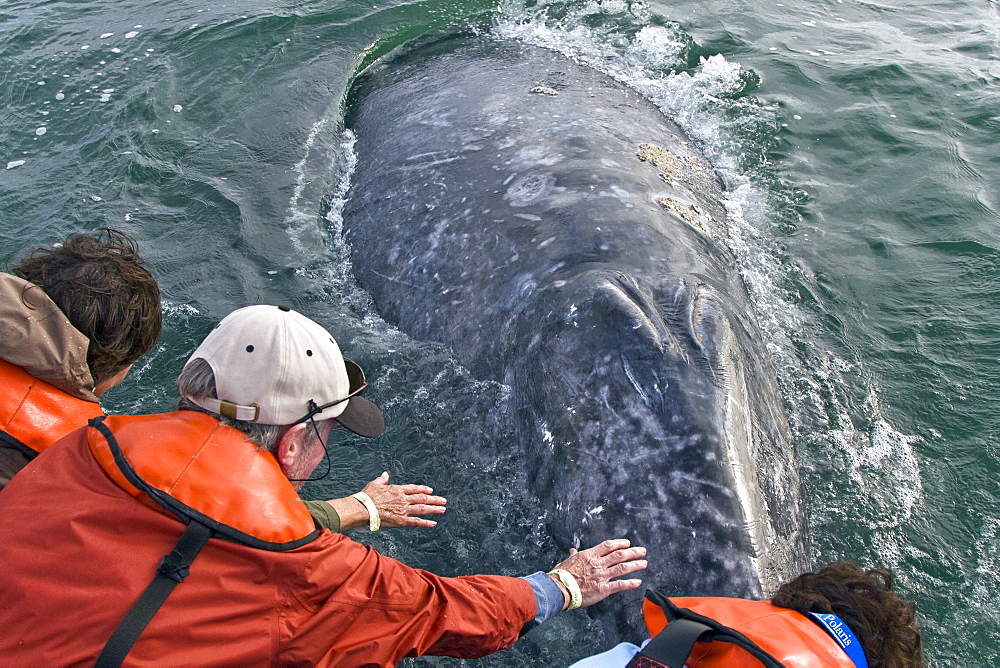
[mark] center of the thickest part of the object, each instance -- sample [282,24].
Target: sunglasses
[356,383]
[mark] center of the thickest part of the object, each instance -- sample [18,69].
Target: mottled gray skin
[521,228]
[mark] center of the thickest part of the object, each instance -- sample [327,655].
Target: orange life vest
[35,414]
[253,504]
[788,636]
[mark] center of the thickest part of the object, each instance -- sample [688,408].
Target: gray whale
[563,237]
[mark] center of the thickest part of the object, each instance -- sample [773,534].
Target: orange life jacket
[35,414]
[791,638]
[253,504]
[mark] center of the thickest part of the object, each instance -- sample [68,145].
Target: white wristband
[575,595]
[374,521]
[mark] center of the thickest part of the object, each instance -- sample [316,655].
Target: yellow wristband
[374,521]
[575,595]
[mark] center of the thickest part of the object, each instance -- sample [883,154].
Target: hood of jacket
[38,337]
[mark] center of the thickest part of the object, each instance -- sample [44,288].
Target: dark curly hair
[886,626]
[101,285]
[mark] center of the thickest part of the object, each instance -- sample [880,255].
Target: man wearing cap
[74,317]
[180,539]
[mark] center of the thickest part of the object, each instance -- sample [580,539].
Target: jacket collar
[56,351]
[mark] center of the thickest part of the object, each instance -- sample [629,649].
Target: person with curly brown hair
[839,617]
[73,319]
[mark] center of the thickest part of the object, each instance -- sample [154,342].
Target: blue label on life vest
[840,632]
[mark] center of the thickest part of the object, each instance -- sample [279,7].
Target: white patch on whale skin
[741,455]
[642,319]
[547,438]
[624,196]
[530,188]
[532,157]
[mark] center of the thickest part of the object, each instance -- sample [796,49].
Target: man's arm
[359,603]
[397,505]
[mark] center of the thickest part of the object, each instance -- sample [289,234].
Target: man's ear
[290,445]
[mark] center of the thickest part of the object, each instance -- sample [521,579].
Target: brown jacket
[46,389]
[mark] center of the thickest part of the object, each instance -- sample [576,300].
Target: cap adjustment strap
[229,409]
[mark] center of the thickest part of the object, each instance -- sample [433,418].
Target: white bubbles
[96,198]
[657,47]
[718,76]
[176,309]
[178,108]
[988,551]
[885,469]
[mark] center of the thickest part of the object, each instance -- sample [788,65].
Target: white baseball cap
[273,365]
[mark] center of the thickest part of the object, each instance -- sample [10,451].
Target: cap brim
[363,418]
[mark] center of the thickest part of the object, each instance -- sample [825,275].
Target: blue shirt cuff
[549,599]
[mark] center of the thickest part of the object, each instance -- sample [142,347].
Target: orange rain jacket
[789,636]
[46,390]
[83,536]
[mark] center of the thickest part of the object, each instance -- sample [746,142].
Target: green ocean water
[859,143]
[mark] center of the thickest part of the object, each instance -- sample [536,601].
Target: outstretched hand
[402,505]
[595,569]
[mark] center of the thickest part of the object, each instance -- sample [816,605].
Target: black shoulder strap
[172,570]
[672,646]
[11,441]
